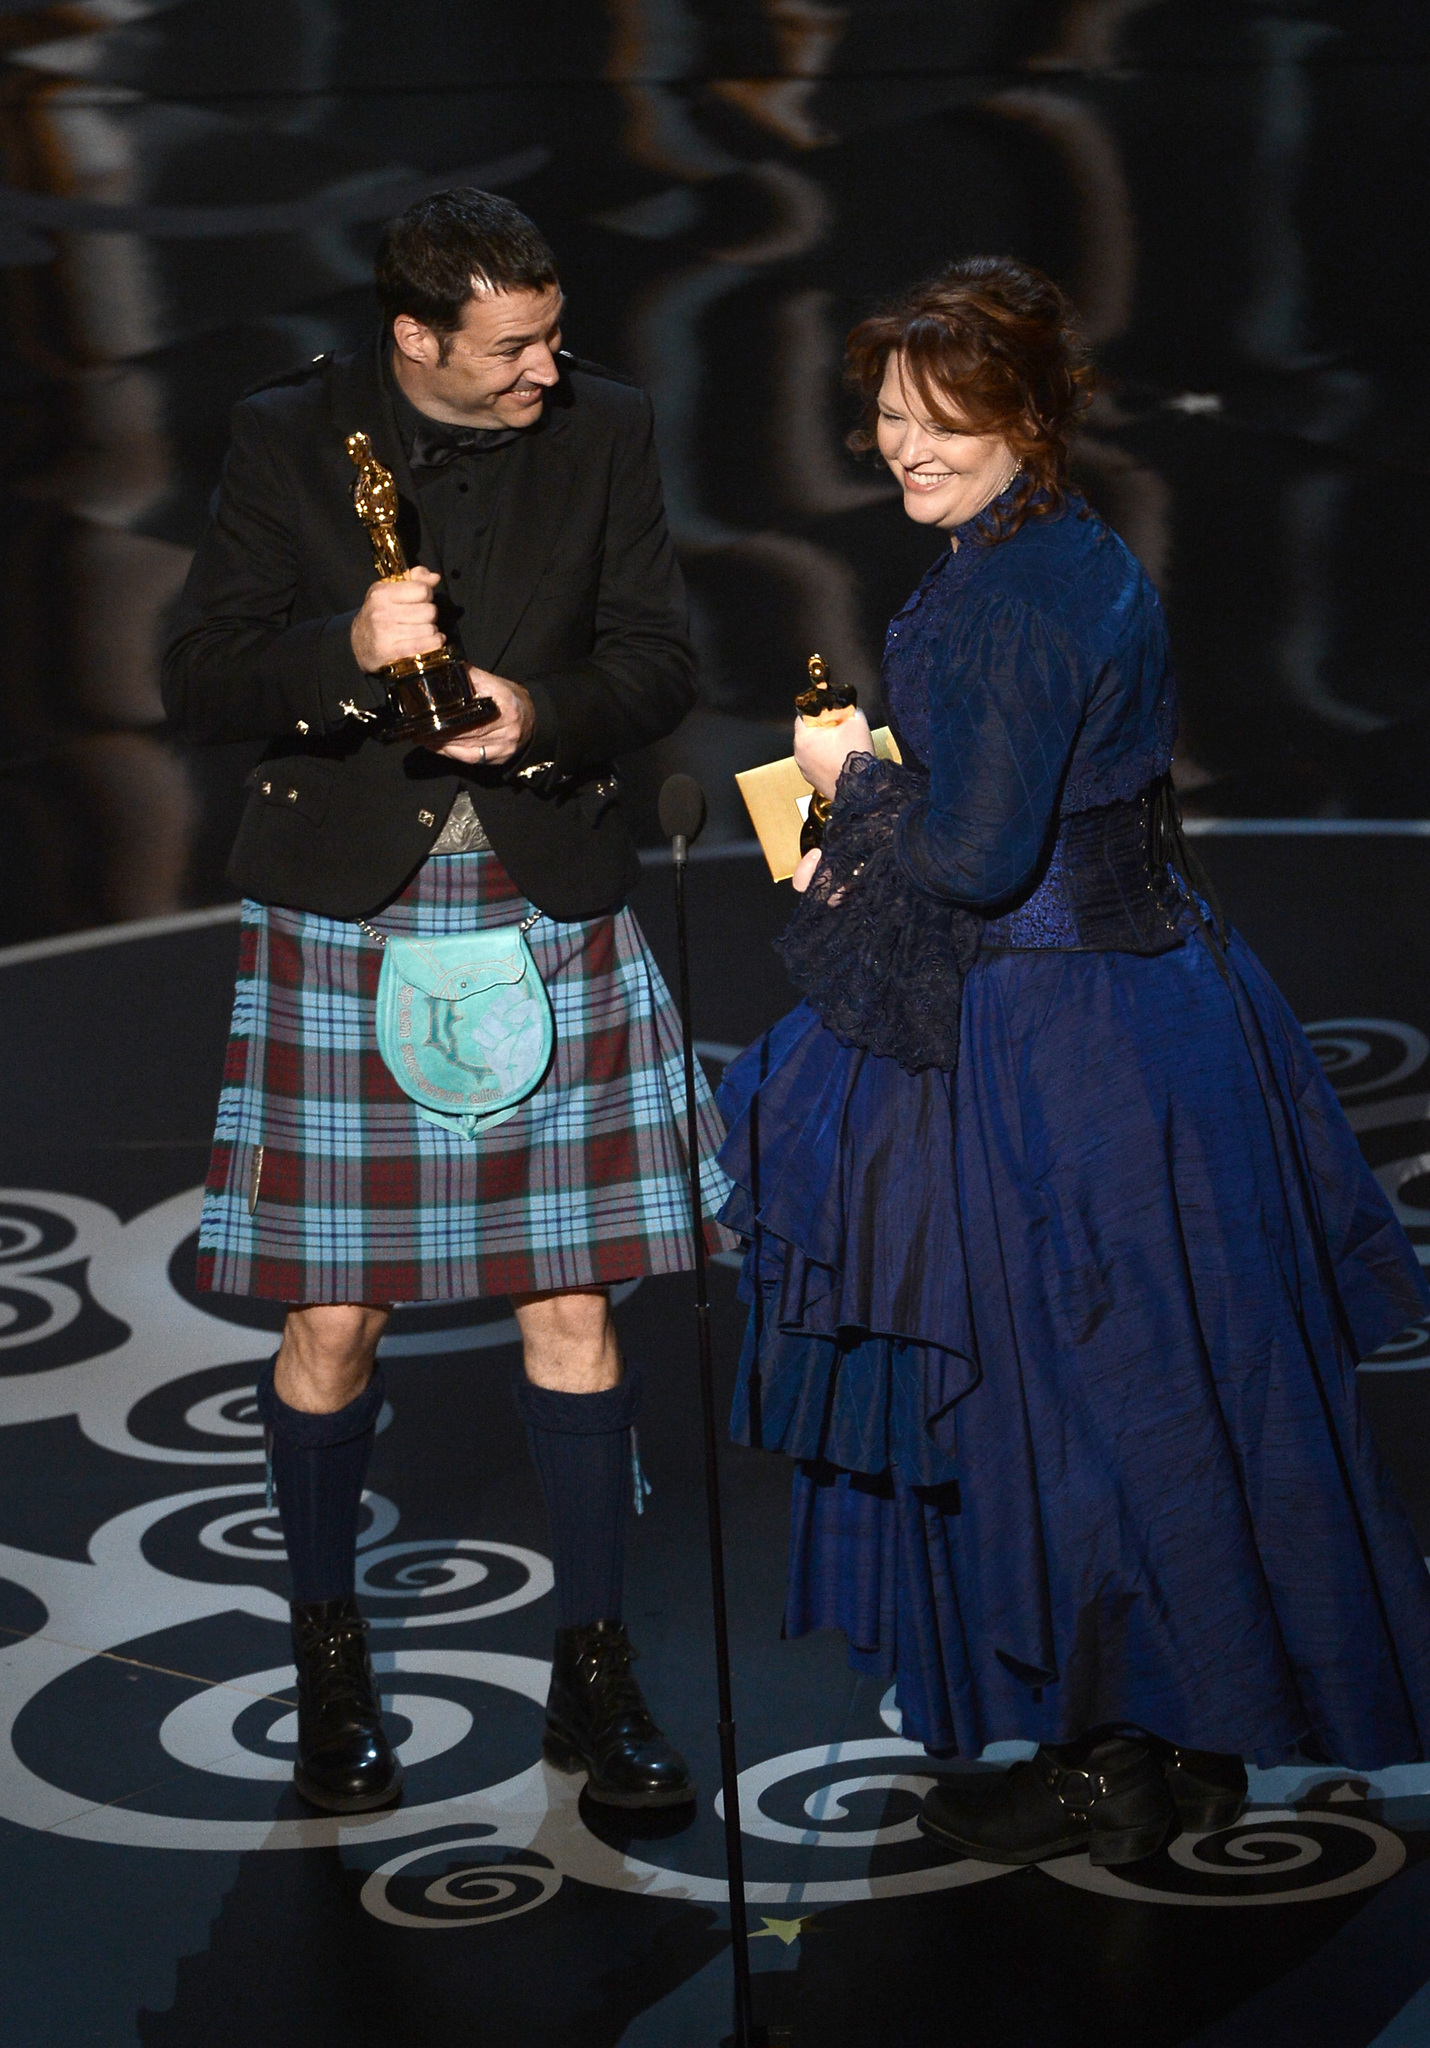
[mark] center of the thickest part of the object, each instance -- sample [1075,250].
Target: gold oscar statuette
[780,802]
[823,703]
[429,696]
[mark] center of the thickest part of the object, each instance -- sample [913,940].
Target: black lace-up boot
[597,1721]
[1108,1796]
[345,1761]
[1209,1789]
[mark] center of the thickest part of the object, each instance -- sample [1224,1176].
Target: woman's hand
[820,751]
[804,873]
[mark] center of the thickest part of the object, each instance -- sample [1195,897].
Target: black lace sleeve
[879,959]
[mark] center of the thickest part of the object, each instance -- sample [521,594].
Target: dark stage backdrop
[1236,195]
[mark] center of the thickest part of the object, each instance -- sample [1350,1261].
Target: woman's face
[945,477]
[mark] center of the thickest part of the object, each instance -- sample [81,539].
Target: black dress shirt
[457,498]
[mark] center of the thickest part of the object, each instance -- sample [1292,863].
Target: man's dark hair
[448,247]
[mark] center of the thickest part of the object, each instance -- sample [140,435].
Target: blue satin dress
[1063,1331]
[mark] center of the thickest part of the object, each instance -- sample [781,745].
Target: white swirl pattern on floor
[502,1849]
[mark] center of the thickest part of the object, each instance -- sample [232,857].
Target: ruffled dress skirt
[1065,1345]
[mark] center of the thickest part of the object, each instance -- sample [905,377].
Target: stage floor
[165,1885]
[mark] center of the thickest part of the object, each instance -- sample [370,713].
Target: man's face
[498,366]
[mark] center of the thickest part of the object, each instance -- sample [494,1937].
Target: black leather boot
[597,1721]
[1209,1789]
[345,1761]
[1108,1796]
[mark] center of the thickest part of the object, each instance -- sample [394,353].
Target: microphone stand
[746,2034]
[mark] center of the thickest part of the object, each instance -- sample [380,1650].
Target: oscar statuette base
[431,696]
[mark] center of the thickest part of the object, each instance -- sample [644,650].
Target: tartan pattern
[359,1199]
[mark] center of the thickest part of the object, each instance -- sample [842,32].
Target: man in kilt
[528,488]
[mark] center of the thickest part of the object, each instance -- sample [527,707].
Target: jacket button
[267,788]
[292,796]
[426,818]
[302,725]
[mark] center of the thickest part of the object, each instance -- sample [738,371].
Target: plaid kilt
[326,1185]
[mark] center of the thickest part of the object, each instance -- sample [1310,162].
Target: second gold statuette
[824,703]
[429,696]
[780,802]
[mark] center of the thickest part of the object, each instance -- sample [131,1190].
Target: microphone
[682,814]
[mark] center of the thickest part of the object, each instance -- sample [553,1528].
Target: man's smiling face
[495,370]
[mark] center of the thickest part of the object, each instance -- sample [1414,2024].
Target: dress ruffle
[858,1361]
[1075,1396]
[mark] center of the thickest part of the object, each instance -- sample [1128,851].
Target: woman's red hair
[989,346]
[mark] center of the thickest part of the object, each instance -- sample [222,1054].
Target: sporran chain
[380,938]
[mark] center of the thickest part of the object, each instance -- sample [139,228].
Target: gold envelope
[777,797]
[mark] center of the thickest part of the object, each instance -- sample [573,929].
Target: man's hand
[490,746]
[397,619]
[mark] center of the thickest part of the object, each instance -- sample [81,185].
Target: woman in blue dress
[1062,1254]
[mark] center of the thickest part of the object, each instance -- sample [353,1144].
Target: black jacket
[582,603]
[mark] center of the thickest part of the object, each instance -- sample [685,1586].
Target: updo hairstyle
[988,347]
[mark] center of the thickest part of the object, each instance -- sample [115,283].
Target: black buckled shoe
[1109,1797]
[345,1762]
[597,1721]
[1209,1789]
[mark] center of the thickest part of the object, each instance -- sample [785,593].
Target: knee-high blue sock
[580,1444]
[319,1464]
